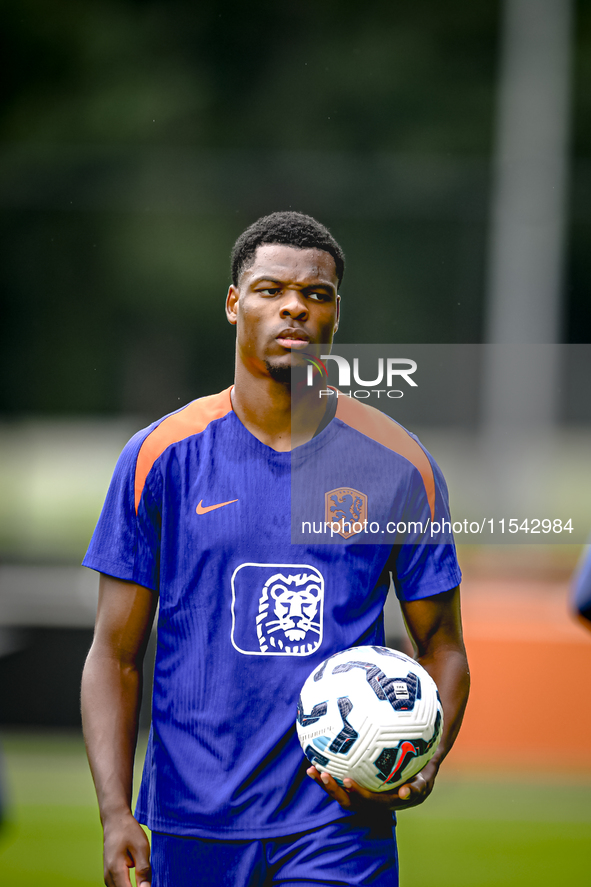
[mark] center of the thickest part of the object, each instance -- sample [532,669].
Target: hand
[353,797]
[126,846]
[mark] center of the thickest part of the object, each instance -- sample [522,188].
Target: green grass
[53,835]
[470,833]
[483,834]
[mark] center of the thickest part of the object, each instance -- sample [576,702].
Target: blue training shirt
[200,511]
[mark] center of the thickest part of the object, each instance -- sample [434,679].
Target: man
[198,513]
[582,588]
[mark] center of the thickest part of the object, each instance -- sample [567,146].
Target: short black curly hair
[287,228]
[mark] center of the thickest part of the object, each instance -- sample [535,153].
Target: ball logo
[346,508]
[392,761]
[277,609]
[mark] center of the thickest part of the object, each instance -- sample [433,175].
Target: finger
[417,786]
[406,795]
[143,878]
[355,790]
[331,787]
[143,870]
[412,793]
[118,876]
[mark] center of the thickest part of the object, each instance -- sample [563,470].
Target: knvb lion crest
[348,508]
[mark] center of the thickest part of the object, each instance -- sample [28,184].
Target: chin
[280,372]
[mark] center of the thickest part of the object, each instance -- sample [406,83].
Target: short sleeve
[428,564]
[126,543]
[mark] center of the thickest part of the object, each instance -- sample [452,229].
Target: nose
[294,305]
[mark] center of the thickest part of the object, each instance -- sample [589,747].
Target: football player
[198,521]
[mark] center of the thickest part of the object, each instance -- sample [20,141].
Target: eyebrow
[312,286]
[266,277]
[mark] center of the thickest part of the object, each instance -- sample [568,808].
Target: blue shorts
[345,853]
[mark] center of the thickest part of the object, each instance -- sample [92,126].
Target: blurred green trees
[141,136]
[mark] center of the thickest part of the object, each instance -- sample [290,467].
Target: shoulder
[190,420]
[378,427]
[381,428]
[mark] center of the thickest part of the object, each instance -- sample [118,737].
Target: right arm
[111,696]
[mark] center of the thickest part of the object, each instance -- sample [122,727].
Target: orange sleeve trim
[376,425]
[195,417]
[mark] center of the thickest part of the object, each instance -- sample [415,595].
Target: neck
[278,416]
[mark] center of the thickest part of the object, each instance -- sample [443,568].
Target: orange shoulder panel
[195,417]
[383,430]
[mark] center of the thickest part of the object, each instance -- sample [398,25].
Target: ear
[232,305]
[336,323]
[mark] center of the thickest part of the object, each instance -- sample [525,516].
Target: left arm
[435,628]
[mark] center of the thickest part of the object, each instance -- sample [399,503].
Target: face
[285,303]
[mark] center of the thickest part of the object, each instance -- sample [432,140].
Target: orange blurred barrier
[530,660]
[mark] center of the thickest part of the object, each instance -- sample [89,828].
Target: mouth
[293,339]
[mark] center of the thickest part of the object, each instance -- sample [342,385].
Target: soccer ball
[372,714]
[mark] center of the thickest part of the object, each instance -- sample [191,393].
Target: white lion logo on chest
[293,599]
[288,619]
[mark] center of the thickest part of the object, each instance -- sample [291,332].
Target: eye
[270,291]
[318,297]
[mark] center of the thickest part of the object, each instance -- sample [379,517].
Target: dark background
[140,138]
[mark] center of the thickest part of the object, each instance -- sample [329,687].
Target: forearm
[449,670]
[111,695]
[435,629]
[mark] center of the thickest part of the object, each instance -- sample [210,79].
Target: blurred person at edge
[581,598]
[198,516]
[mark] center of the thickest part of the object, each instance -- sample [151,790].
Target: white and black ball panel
[372,714]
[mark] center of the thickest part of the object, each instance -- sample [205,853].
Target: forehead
[288,263]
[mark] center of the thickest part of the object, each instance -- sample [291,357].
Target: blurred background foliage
[140,138]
